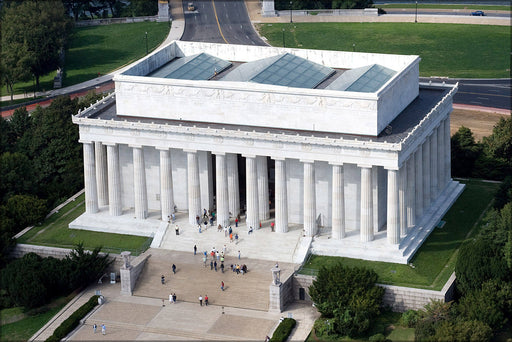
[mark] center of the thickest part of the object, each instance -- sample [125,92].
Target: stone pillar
[393,229]
[268,9]
[222,198]
[433,166]
[263,199]
[281,197]
[426,174]
[205,179]
[233,186]
[402,211]
[447,151]
[100,153]
[114,180]
[252,215]
[139,183]
[441,178]
[166,189]
[309,198]
[338,202]
[418,175]
[366,218]
[375,198]
[193,187]
[411,192]
[91,193]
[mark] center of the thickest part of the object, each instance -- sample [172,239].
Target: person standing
[222,267]
[94,327]
[215,265]
[174,298]
[195,249]
[236,238]
[162,279]
[211,265]
[238,255]
[272,225]
[170,299]
[222,285]
[177,229]
[103,329]
[206,300]
[200,300]
[173,269]
[236,222]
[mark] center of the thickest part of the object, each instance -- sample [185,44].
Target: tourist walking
[162,279]
[173,269]
[103,329]
[195,249]
[170,299]
[174,298]
[94,327]
[236,238]
[238,255]
[236,222]
[211,265]
[177,230]
[215,266]
[206,300]
[222,285]
[200,300]
[222,267]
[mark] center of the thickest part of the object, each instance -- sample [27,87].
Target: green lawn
[23,329]
[435,260]
[470,7]
[454,50]
[101,49]
[55,232]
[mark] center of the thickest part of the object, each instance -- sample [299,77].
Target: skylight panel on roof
[198,67]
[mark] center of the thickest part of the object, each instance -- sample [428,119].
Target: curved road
[224,21]
[227,21]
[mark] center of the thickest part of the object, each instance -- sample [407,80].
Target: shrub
[410,318]
[378,338]
[324,327]
[283,330]
[72,321]
[463,331]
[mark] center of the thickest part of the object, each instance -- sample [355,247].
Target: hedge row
[283,330]
[72,321]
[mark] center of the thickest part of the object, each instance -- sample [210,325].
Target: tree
[16,175]
[349,295]
[26,210]
[499,144]
[33,34]
[350,4]
[464,152]
[86,267]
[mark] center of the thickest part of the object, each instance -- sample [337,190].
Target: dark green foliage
[140,8]
[17,176]
[432,316]
[378,338]
[410,318]
[26,210]
[464,152]
[33,281]
[349,295]
[72,321]
[504,194]
[352,4]
[461,330]
[283,330]
[479,261]
[492,304]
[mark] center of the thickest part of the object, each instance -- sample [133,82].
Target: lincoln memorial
[345,153]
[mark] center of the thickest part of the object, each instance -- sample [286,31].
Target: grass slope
[55,232]
[101,49]
[454,50]
[435,260]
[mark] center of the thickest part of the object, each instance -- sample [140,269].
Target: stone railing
[331,12]
[108,21]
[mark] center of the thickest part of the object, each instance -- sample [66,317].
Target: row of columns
[410,190]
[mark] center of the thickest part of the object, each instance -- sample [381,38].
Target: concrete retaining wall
[108,21]
[399,298]
[129,276]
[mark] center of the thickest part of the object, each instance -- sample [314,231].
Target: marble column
[193,187]
[393,228]
[338,202]
[402,200]
[309,198]
[441,179]
[263,199]
[233,186]
[166,188]
[139,183]
[433,166]
[366,218]
[114,181]
[411,192]
[447,151]
[418,177]
[91,193]
[205,179]
[281,225]
[426,174]
[100,153]
[375,198]
[222,198]
[252,215]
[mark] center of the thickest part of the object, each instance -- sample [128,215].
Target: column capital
[189,151]
[110,144]
[392,168]
[135,146]
[336,163]
[82,141]
[364,166]
[162,148]
[307,161]
[278,158]
[219,153]
[249,155]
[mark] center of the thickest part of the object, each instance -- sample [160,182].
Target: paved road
[219,21]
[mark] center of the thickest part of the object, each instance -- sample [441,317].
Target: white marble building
[348,146]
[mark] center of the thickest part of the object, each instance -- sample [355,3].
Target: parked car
[478,13]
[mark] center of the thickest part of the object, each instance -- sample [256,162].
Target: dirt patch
[480,123]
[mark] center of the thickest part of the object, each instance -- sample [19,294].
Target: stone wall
[129,276]
[399,298]
[108,21]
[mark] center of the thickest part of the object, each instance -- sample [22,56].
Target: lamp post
[146,38]
[416,13]
[291,15]
[283,39]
